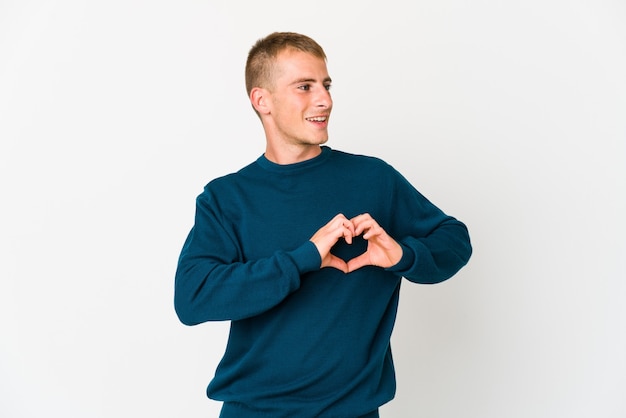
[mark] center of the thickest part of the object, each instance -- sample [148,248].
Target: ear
[260,99]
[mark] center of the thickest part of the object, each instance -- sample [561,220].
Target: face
[299,102]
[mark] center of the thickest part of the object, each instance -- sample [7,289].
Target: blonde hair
[261,58]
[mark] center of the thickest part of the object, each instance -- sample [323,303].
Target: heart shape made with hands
[349,244]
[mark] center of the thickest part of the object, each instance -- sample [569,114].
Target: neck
[293,154]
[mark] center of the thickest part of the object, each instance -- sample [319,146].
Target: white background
[508,115]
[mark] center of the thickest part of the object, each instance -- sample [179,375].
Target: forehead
[292,65]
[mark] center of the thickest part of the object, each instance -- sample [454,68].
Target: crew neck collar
[283,168]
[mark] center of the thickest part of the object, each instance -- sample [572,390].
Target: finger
[362,223]
[348,231]
[327,236]
[350,226]
[337,263]
[365,228]
[358,262]
[372,230]
[360,218]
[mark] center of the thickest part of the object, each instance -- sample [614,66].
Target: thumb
[358,262]
[337,263]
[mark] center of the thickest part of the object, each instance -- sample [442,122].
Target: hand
[328,235]
[382,250]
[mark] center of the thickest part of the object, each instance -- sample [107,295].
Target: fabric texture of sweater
[304,341]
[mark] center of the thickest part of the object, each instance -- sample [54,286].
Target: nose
[324,100]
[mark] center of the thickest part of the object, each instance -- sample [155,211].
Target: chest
[282,219]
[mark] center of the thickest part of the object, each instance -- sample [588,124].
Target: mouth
[317,119]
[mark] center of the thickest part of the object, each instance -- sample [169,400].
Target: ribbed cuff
[306,257]
[405,263]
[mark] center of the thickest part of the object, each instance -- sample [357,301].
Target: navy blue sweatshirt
[304,341]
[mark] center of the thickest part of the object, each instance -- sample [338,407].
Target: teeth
[318,119]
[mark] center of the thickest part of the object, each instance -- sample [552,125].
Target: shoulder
[361,160]
[366,167]
[373,170]
[220,190]
[227,181]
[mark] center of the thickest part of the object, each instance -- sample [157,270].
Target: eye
[305,87]
[327,87]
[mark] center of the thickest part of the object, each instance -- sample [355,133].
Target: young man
[304,251]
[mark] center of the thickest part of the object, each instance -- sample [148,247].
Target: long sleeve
[435,246]
[214,282]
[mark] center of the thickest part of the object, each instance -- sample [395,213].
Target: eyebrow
[312,80]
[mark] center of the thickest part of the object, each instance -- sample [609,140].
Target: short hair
[263,53]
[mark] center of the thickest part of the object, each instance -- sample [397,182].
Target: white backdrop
[509,115]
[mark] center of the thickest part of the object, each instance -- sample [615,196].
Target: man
[304,251]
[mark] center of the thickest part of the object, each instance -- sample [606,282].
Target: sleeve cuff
[306,257]
[405,263]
